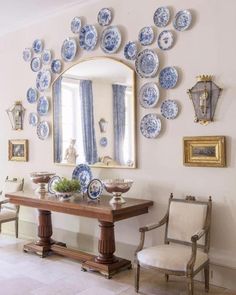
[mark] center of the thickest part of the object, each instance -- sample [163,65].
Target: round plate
[169,109]
[147,63]
[88,37]
[110,39]
[161,17]
[32,95]
[146,36]
[43,80]
[36,64]
[33,119]
[27,54]
[42,106]
[149,95]
[46,57]
[75,25]
[150,126]
[130,51]
[104,17]
[83,173]
[53,180]
[69,49]
[103,141]
[95,189]
[182,20]
[165,40]
[37,46]
[168,77]
[43,130]
[56,66]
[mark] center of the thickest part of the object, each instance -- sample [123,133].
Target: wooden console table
[106,262]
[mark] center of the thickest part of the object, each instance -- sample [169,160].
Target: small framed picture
[18,150]
[205,151]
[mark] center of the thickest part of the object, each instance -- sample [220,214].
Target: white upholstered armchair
[187,238]
[10,212]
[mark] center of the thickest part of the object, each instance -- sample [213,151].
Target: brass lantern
[204,95]
[16,115]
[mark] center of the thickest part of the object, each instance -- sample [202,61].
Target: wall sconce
[204,95]
[102,125]
[16,115]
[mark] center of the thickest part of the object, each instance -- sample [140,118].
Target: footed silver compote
[41,178]
[116,187]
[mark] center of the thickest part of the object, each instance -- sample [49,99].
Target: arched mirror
[93,114]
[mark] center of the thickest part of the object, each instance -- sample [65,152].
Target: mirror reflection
[93,104]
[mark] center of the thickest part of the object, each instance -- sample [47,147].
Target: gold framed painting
[204,151]
[18,150]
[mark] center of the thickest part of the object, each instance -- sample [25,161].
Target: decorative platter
[161,17]
[27,54]
[168,77]
[82,172]
[103,141]
[75,25]
[146,36]
[150,126]
[43,130]
[104,17]
[149,95]
[46,56]
[37,46]
[36,64]
[53,180]
[32,95]
[110,40]
[95,189]
[43,80]
[182,20]
[56,66]
[88,37]
[42,106]
[33,119]
[130,51]
[69,49]
[165,40]
[169,109]
[147,63]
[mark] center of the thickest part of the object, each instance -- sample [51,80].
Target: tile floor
[28,274]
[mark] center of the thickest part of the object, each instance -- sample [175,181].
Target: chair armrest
[154,225]
[198,235]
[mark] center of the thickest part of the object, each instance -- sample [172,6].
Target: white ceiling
[16,14]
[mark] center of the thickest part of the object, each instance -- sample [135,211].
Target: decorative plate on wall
[56,66]
[75,25]
[82,172]
[150,126]
[182,20]
[88,37]
[147,63]
[36,64]
[32,95]
[43,80]
[42,106]
[169,109]
[103,141]
[33,119]
[104,17]
[130,51]
[95,189]
[168,77]
[165,40]
[110,40]
[149,95]
[27,54]
[37,46]
[161,17]
[46,56]
[43,130]
[146,36]
[69,49]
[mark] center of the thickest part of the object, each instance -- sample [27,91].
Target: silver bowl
[41,178]
[116,187]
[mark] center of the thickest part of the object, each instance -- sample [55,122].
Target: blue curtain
[89,140]
[119,121]
[57,121]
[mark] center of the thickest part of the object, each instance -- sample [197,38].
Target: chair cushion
[172,257]
[11,186]
[7,214]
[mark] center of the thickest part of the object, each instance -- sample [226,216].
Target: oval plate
[182,20]
[69,49]
[43,80]
[150,126]
[104,17]
[130,51]
[56,66]
[169,109]
[43,130]
[88,37]
[161,17]
[32,95]
[33,119]
[46,56]
[37,46]
[82,172]
[168,77]
[42,106]
[147,63]
[149,95]
[95,189]
[146,36]
[110,40]
[36,64]
[75,25]
[165,40]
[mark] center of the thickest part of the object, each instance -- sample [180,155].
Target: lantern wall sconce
[16,115]
[204,95]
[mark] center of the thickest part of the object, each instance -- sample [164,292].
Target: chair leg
[166,277]
[190,286]
[137,274]
[16,227]
[206,275]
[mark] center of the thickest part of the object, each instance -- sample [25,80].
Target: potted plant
[66,187]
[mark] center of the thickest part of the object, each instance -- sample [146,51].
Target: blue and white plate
[36,64]
[150,125]
[82,172]
[88,37]
[37,46]
[104,17]
[130,51]
[95,189]
[103,141]
[165,40]
[33,119]
[169,109]
[43,130]
[149,95]
[75,25]
[43,80]
[42,106]
[53,180]
[56,66]
[182,20]
[168,77]
[146,36]
[27,54]
[110,40]
[46,56]
[69,49]
[161,17]
[32,95]
[147,63]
